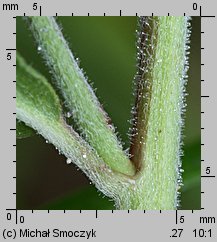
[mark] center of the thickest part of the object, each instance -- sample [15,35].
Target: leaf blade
[23,131]
[34,90]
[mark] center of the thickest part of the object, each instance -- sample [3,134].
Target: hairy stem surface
[38,107]
[155,180]
[91,120]
[156,135]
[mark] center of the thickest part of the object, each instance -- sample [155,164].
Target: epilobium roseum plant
[149,176]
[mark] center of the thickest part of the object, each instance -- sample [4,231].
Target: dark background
[106,48]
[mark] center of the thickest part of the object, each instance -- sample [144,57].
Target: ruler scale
[107,225]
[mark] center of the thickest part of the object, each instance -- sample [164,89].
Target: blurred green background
[106,48]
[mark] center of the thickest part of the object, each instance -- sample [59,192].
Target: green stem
[156,136]
[38,106]
[158,122]
[91,120]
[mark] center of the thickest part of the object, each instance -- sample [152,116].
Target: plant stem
[156,137]
[39,107]
[91,120]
